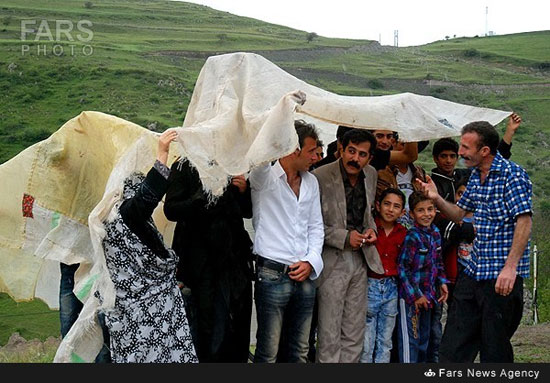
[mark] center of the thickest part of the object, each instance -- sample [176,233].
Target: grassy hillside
[144,57]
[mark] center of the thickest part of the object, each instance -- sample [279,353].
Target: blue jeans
[381,317]
[436,332]
[70,307]
[277,296]
[414,333]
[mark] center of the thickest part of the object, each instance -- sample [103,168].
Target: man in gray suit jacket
[347,189]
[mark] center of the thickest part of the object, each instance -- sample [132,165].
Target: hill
[139,60]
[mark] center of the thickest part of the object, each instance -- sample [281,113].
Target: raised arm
[505,145]
[140,207]
[406,156]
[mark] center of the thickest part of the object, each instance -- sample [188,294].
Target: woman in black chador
[215,253]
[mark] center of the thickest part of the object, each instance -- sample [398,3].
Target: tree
[311,36]
[88,4]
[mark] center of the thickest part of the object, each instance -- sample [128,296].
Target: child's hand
[422,302]
[444,293]
[165,139]
[370,237]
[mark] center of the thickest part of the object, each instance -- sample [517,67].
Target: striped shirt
[420,265]
[505,194]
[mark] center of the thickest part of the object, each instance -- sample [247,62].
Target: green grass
[32,320]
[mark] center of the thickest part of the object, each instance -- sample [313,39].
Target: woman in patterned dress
[148,322]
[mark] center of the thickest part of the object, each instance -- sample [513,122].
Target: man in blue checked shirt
[488,297]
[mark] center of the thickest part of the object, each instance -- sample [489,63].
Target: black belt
[272,265]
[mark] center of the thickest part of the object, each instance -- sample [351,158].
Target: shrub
[375,84]
[311,36]
[471,53]
[88,5]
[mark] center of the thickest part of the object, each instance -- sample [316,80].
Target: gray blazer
[333,207]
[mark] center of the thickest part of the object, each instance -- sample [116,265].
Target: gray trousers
[342,310]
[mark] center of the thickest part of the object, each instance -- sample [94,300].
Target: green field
[147,56]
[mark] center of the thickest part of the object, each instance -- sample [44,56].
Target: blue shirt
[420,266]
[505,194]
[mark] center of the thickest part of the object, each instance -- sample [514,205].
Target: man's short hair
[395,191]
[488,135]
[305,130]
[358,136]
[320,144]
[341,131]
[416,197]
[443,144]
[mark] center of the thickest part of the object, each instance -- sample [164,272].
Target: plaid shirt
[420,264]
[505,194]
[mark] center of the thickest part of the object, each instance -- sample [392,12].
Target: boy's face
[424,213]
[390,209]
[461,189]
[383,139]
[446,161]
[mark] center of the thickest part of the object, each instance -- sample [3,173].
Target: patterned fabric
[132,183]
[148,322]
[162,169]
[420,265]
[28,203]
[496,204]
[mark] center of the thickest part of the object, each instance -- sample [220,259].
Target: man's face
[383,139]
[319,153]
[390,208]
[469,150]
[424,213]
[355,157]
[446,161]
[307,156]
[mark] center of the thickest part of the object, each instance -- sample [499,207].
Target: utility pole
[486,21]
[535,300]
[396,38]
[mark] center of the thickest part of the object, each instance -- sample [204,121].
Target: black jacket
[137,211]
[207,236]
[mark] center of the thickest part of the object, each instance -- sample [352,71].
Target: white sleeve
[259,177]
[316,233]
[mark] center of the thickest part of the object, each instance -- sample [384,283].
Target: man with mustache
[347,188]
[488,296]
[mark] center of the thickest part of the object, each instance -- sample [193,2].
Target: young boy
[420,272]
[382,288]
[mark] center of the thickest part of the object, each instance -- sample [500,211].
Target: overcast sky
[417,22]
